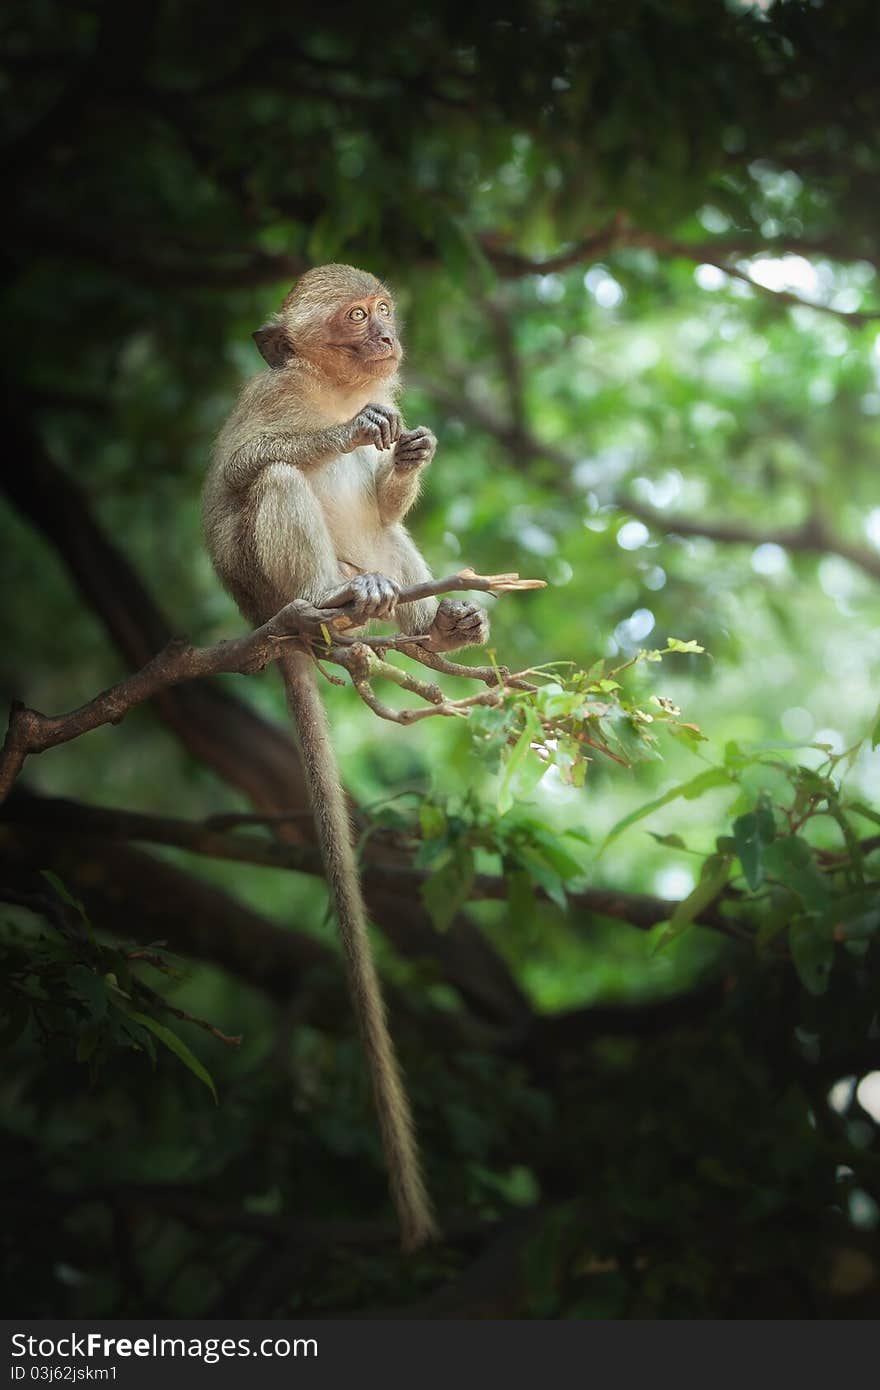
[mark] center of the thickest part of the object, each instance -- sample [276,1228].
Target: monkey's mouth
[380,359]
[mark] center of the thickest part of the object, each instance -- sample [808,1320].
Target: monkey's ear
[275,344]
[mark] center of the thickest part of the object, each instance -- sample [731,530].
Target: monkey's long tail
[334,836]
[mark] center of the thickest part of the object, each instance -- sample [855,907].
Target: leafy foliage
[69,991]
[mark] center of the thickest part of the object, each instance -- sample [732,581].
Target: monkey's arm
[398,478]
[306,449]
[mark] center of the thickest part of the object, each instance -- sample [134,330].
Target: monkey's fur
[310,479]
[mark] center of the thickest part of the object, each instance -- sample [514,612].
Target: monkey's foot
[366,596]
[458,624]
[415,449]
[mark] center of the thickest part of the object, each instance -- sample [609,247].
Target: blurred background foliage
[635,248]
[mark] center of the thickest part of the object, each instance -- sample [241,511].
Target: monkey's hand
[415,449]
[379,425]
[458,624]
[366,596]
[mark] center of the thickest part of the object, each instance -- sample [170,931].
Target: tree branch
[30,732]
[715,254]
[512,264]
[812,537]
[157,258]
[224,732]
[721,253]
[246,750]
[135,896]
[387,870]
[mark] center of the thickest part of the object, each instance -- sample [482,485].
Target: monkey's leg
[407,566]
[399,478]
[292,545]
[452,623]
[295,553]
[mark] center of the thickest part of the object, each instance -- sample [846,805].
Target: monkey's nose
[386,340]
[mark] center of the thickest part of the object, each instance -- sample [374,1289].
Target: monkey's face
[362,335]
[340,319]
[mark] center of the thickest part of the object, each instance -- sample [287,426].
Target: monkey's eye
[358,315]
[383,308]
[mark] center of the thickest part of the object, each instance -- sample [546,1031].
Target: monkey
[309,482]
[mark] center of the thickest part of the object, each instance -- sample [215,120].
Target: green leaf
[812,952]
[523,769]
[170,1040]
[554,703]
[551,848]
[674,644]
[61,889]
[432,820]
[671,841]
[751,835]
[544,875]
[179,1048]
[520,898]
[690,734]
[449,888]
[91,988]
[776,916]
[766,821]
[703,782]
[790,861]
[67,897]
[517,756]
[716,871]
[582,836]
